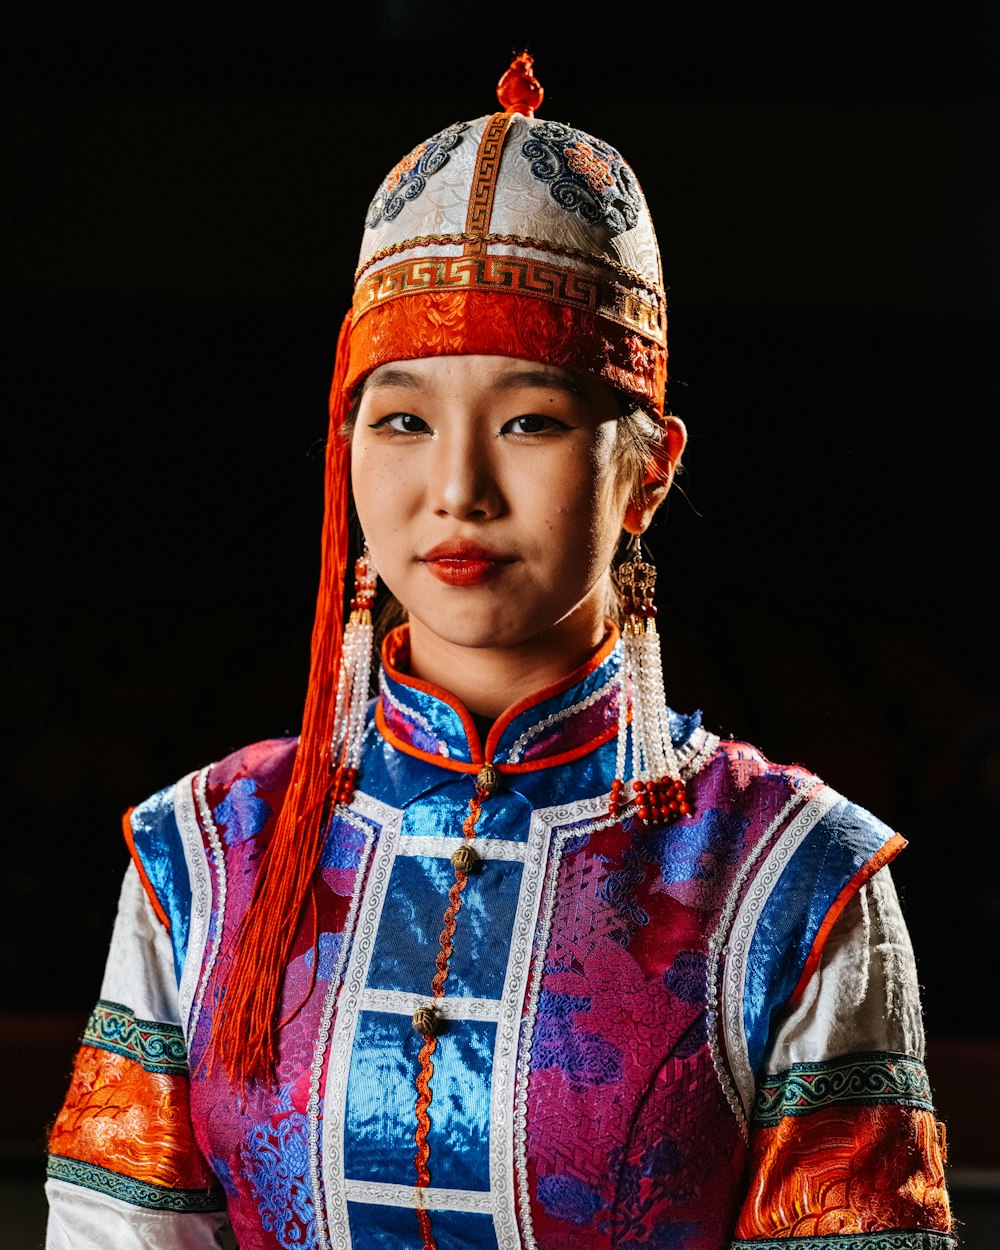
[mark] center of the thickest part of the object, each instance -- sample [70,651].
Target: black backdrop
[183,203]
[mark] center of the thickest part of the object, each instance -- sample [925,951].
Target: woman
[528,959]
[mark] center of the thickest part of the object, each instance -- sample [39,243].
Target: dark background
[183,200]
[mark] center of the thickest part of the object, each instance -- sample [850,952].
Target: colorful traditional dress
[686,1036]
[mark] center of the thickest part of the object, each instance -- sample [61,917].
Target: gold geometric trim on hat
[631,276]
[484,183]
[513,275]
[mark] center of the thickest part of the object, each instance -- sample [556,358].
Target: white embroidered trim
[548,818]
[503,1083]
[443,848]
[323,1034]
[201,891]
[410,713]
[739,1091]
[429,1199]
[696,752]
[349,1008]
[215,842]
[715,948]
[516,750]
[403,1003]
[734,985]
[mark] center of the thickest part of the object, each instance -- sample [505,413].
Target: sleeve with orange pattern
[124,1167]
[845,1150]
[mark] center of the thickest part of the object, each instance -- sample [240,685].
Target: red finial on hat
[519,91]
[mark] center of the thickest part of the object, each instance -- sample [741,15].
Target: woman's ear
[659,477]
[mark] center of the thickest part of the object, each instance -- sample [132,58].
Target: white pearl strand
[355,671]
[642,691]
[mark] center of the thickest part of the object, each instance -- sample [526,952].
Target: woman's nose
[463,480]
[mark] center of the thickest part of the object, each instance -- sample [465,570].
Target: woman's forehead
[498,373]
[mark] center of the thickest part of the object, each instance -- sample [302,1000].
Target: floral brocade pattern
[120,1117]
[276,1159]
[629,1065]
[584,175]
[407,180]
[846,1170]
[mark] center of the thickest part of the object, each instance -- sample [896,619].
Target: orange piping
[462,766]
[881,857]
[147,885]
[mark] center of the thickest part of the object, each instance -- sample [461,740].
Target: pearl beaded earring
[643,722]
[355,679]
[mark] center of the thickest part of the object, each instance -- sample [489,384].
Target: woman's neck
[487,680]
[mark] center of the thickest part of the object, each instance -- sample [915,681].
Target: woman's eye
[532,423]
[402,423]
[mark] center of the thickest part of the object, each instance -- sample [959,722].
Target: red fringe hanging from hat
[245,1026]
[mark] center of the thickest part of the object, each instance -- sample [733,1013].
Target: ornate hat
[513,236]
[504,236]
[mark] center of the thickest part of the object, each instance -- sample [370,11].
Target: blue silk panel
[161,852]
[833,851]
[396,1228]
[408,936]
[382,1095]
[441,815]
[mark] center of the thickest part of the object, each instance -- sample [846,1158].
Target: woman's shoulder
[250,775]
[240,786]
[213,808]
[788,807]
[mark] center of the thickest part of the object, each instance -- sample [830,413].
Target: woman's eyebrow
[392,376]
[548,379]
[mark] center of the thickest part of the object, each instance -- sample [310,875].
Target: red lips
[460,562]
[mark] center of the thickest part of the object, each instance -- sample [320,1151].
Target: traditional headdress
[506,236]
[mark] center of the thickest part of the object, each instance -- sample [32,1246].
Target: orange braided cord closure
[424,1220]
[472,817]
[442,963]
[421,1159]
[422,1156]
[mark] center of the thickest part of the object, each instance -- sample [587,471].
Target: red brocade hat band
[513,236]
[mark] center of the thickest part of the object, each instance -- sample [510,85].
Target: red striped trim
[147,885]
[881,857]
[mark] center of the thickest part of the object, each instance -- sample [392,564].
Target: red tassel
[245,1026]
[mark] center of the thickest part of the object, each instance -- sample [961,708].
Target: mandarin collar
[555,725]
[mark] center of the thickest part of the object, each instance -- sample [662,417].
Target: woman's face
[490,494]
